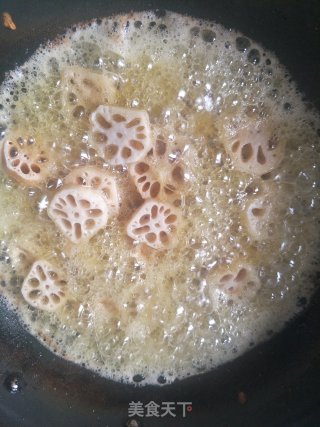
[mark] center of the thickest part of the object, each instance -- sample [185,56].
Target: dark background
[281,378]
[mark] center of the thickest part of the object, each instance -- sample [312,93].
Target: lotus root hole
[144,219]
[71,200]
[66,223]
[53,275]
[226,278]
[90,223]
[146,186]
[41,273]
[103,122]
[55,298]
[34,282]
[151,237]
[169,189]
[100,138]
[260,156]
[34,294]
[136,145]
[35,168]
[241,275]
[59,212]
[118,118]
[141,230]
[177,174]
[164,237]
[84,204]
[15,163]
[133,123]
[126,152]
[171,219]
[77,230]
[25,168]
[235,146]
[258,212]
[13,152]
[141,168]
[154,211]
[142,179]
[110,151]
[155,189]
[161,147]
[95,212]
[141,136]
[95,182]
[246,152]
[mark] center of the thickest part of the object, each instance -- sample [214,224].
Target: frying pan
[281,377]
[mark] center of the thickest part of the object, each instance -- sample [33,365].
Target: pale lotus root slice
[98,179]
[256,151]
[157,176]
[44,287]
[104,310]
[155,224]
[83,90]
[239,280]
[258,215]
[120,135]
[79,212]
[162,181]
[24,161]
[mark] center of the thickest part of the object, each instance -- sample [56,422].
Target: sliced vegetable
[83,90]
[156,176]
[24,160]
[258,215]
[239,280]
[44,287]
[98,179]
[79,212]
[155,224]
[120,135]
[256,150]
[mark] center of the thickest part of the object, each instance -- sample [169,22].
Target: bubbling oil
[155,317]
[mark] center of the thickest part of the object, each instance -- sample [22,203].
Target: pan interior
[199,84]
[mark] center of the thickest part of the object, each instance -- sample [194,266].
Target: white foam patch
[128,315]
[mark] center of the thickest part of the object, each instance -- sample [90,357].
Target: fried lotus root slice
[120,135]
[79,212]
[153,181]
[258,216]
[158,176]
[98,179]
[24,161]
[104,310]
[155,224]
[256,151]
[44,288]
[83,90]
[239,280]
